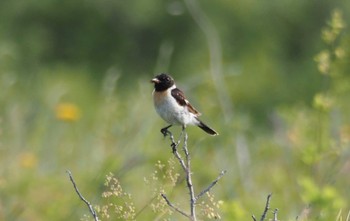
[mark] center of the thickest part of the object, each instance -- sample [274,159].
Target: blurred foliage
[75,95]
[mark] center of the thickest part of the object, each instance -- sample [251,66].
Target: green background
[251,67]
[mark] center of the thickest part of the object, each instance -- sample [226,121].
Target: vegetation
[271,77]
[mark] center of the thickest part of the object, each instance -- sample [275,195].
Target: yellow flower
[28,160]
[67,112]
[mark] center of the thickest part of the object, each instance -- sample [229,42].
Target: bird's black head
[162,82]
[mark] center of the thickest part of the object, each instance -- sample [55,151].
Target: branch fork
[267,208]
[186,166]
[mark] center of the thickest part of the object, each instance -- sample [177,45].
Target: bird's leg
[182,132]
[165,130]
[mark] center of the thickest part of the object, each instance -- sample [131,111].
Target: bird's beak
[155,80]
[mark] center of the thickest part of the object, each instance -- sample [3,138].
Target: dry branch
[267,207]
[186,166]
[174,207]
[211,185]
[91,209]
[275,215]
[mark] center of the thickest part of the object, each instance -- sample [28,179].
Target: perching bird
[172,105]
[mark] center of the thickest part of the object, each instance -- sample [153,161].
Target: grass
[51,129]
[60,118]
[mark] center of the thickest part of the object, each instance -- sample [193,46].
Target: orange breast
[158,97]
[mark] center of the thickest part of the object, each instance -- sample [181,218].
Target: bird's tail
[206,128]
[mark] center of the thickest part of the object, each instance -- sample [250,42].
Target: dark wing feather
[181,100]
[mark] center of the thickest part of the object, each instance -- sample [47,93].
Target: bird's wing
[181,100]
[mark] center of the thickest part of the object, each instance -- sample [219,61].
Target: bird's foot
[165,131]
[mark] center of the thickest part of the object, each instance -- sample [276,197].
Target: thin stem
[275,215]
[175,152]
[174,207]
[267,207]
[92,211]
[186,166]
[211,185]
[189,179]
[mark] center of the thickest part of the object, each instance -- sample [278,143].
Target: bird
[172,105]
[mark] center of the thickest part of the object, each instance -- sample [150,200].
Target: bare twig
[186,166]
[174,207]
[189,178]
[267,207]
[174,145]
[92,211]
[275,215]
[178,156]
[211,185]
[254,218]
